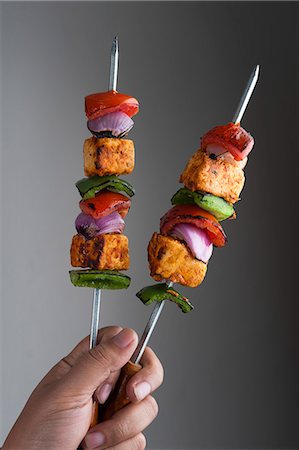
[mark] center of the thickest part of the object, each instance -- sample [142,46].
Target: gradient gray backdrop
[230,365]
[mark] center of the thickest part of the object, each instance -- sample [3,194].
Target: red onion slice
[117,123]
[217,150]
[214,149]
[243,162]
[196,239]
[90,227]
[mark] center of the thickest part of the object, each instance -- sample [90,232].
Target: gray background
[230,366]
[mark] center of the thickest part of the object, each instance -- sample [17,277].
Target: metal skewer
[95,317]
[246,95]
[113,65]
[137,355]
[96,303]
[149,328]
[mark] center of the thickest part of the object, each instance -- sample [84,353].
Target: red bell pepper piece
[104,203]
[97,105]
[232,137]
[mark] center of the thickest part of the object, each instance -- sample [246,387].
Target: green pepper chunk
[88,187]
[217,206]
[160,292]
[105,279]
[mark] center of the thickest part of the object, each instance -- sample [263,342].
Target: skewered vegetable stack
[213,180]
[100,245]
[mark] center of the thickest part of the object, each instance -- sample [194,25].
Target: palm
[68,416]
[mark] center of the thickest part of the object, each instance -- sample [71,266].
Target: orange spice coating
[214,176]
[108,156]
[170,259]
[103,252]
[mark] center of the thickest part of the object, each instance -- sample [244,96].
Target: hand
[58,412]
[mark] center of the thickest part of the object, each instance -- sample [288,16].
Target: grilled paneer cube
[215,176]
[108,156]
[170,259]
[106,251]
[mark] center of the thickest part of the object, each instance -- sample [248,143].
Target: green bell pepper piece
[88,187]
[160,292]
[105,279]
[215,205]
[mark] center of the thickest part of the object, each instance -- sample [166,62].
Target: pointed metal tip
[114,46]
[246,95]
[113,64]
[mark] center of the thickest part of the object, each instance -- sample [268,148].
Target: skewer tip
[257,70]
[246,94]
[115,42]
[113,64]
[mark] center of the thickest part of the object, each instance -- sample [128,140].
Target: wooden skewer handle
[95,414]
[118,398]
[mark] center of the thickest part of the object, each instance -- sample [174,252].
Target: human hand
[58,412]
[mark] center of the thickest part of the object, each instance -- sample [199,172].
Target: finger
[103,392]
[103,335]
[124,425]
[96,366]
[138,442]
[66,363]
[148,379]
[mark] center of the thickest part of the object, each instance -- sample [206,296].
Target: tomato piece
[104,203]
[232,137]
[195,215]
[97,105]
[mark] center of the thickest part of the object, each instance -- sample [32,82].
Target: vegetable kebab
[99,243]
[100,247]
[213,179]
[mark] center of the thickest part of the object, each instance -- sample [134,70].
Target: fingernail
[141,390]
[124,338]
[94,440]
[104,392]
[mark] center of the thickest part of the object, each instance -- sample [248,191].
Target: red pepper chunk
[97,105]
[104,203]
[232,137]
[196,216]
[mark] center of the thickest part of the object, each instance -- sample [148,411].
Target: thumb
[95,366]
